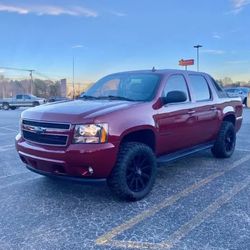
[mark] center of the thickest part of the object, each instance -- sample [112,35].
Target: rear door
[175,122]
[28,101]
[206,126]
[19,100]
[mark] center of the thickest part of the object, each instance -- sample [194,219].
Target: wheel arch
[230,117]
[145,134]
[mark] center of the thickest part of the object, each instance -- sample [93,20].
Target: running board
[161,160]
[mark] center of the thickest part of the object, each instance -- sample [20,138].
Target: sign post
[186,63]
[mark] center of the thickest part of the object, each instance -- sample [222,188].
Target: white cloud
[52,10]
[217,36]
[239,5]
[77,46]
[238,62]
[213,51]
[15,9]
[117,13]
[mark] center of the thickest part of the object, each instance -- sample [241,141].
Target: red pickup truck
[126,125]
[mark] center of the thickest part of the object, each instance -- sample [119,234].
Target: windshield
[126,86]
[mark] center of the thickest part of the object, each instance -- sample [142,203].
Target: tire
[245,101]
[35,104]
[134,174]
[225,143]
[6,106]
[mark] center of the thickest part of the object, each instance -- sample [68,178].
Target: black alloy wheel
[229,140]
[226,140]
[133,176]
[138,173]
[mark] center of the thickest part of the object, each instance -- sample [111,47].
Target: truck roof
[162,71]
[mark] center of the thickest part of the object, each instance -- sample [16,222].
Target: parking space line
[20,182]
[9,129]
[7,147]
[243,149]
[14,175]
[107,238]
[185,229]
[206,213]
[137,245]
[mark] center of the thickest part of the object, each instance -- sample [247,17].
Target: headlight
[91,133]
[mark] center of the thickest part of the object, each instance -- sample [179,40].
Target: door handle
[213,108]
[190,112]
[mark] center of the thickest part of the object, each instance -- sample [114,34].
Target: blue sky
[106,36]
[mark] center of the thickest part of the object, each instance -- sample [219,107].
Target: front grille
[45,139]
[46,124]
[45,132]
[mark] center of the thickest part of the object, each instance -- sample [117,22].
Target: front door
[176,122]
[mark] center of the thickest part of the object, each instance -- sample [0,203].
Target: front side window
[18,97]
[127,86]
[230,90]
[176,83]
[200,87]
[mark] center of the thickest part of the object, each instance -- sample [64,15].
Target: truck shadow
[178,172]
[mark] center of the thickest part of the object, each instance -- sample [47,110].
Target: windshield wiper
[114,97]
[89,97]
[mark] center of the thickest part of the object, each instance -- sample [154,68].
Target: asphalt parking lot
[197,203]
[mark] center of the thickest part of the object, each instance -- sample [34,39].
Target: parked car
[128,123]
[239,92]
[57,99]
[21,100]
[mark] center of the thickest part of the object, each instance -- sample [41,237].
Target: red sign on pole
[186,62]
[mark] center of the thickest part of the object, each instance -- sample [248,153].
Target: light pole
[79,46]
[198,46]
[31,81]
[73,77]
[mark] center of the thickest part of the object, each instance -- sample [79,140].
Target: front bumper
[69,178]
[71,161]
[42,101]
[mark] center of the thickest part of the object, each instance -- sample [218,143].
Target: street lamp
[73,66]
[198,46]
[73,77]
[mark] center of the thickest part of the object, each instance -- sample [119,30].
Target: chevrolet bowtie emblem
[39,130]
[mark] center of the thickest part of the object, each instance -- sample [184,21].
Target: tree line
[38,87]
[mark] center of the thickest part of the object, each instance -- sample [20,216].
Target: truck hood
[74,111]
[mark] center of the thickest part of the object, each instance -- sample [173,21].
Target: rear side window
[220,91]
[200,87]
[19,97]
[176,82]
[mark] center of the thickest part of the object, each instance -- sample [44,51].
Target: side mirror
[174,97]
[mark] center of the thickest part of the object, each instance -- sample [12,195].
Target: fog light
[91,171]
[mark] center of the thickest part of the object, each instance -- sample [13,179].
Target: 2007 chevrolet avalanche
[128,123]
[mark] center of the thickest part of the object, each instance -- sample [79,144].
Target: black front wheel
[6,106]
[134,174]
[245,101]
[35,104]
[225,142]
